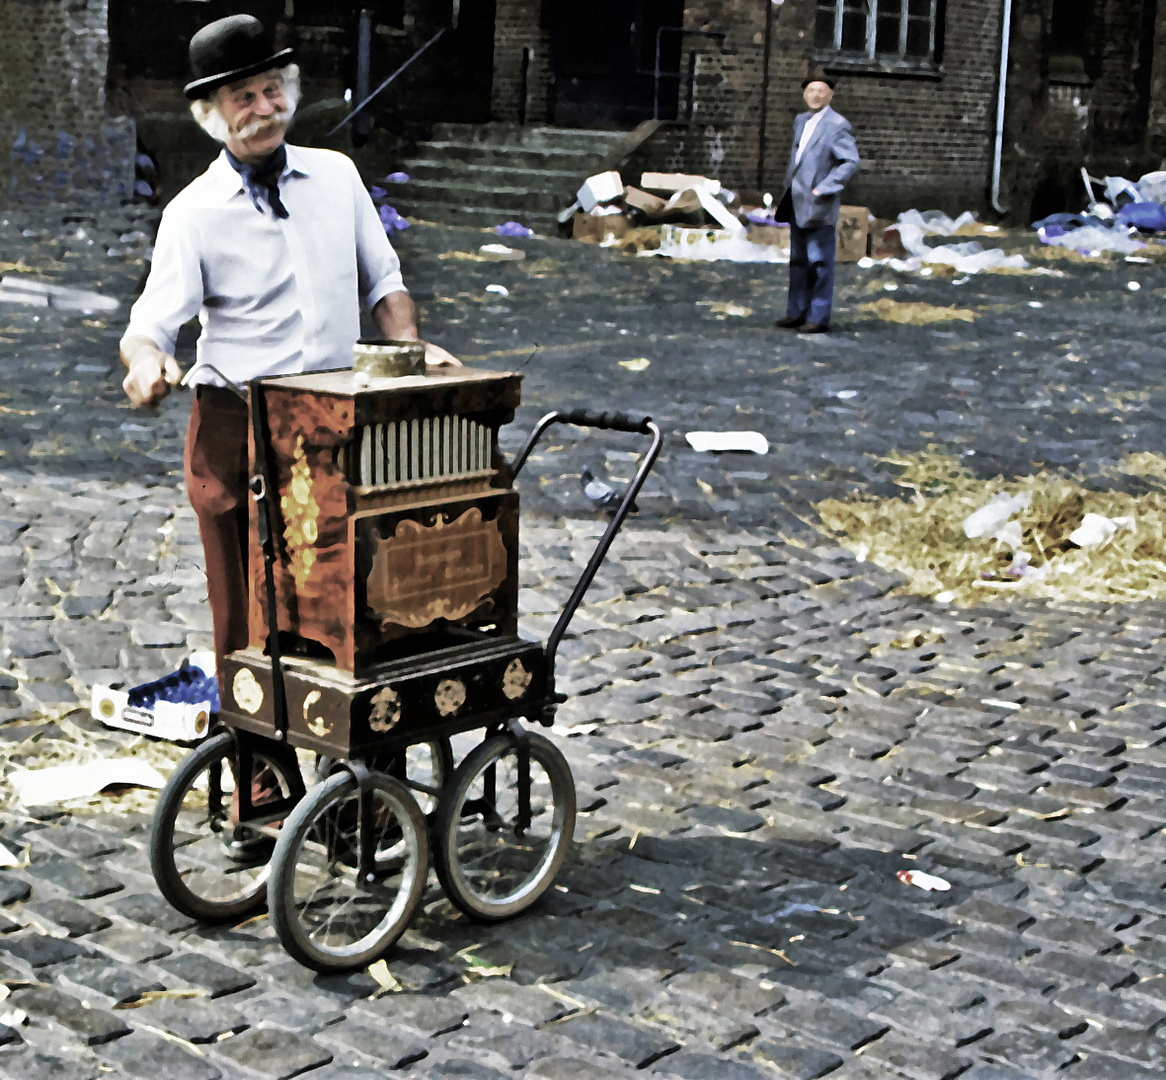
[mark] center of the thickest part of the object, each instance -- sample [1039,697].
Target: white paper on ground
[1097,529]
[752,442]
[38,787]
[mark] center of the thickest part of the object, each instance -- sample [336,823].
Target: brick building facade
[60,142]
[919,79]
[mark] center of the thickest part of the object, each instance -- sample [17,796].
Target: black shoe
[814,328]
[789,323]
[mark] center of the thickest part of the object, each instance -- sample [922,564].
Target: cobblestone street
[762,729]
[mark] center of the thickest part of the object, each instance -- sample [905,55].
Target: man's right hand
[151,375]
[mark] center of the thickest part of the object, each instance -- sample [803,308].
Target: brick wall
[925,142]
[59,144]
[1156,120]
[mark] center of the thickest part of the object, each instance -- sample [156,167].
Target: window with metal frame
[879,33]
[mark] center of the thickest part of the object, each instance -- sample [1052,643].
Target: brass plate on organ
[442,570]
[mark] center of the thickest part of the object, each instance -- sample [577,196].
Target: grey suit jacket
[830,160]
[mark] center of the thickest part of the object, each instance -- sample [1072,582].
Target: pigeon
[601,494]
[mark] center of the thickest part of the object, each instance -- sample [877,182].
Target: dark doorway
[453,79]
[604,59]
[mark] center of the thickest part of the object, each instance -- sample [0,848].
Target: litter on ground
[1023,547]
[915,313]
[720,442]
[61,783]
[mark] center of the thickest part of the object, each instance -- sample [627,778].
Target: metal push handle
[615,421]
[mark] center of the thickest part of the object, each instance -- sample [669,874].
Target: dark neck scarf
[263,179]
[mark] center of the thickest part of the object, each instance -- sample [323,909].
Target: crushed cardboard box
[851,234]
[654,181]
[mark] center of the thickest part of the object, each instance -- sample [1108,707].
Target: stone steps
[486,174]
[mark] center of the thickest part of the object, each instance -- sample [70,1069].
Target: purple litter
[398,178]
[513,228]
[377,192]
[390,219]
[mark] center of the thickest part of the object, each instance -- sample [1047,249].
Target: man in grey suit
[821,161]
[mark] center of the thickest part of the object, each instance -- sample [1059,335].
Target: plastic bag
[993,515]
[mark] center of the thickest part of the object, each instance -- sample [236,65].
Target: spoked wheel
[497,852]
[207,862]
[348,872]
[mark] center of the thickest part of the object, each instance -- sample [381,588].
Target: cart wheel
[348,872]
[490,866]
[207,863]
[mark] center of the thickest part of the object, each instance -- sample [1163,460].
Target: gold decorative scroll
[439,571]
[301,517]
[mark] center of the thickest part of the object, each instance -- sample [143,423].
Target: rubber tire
[281,903]
[448,862]
[170,880]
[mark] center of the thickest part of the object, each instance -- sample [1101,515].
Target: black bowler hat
[228,50]
[818,75]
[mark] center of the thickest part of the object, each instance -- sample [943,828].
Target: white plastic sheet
[39,787]
[750,442]
[936,222]
[967,258]
[1092,240]
[714,245]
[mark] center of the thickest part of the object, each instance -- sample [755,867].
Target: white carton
[600,188]
[176,721]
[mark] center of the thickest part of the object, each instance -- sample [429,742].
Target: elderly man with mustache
[274,248]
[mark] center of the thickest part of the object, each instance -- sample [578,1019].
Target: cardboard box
[851,234]
[594,228]
[719,212]
[769,235]
[601,188]
[884,240]
[653,181]
[644,201]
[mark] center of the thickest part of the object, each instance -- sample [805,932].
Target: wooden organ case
[397,562]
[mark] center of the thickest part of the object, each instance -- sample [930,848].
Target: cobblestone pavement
[762,730]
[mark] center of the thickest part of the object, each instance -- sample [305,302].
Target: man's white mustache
[258,126]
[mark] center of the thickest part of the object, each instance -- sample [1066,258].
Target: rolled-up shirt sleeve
[377,262]
[173,293]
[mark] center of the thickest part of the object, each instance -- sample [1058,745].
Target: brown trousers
[216,482]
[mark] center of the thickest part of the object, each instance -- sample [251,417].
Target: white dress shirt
[808,131]
[275,296]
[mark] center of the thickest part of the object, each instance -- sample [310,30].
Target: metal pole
[1001,98]
[762,137]
[363,124]
[399,70]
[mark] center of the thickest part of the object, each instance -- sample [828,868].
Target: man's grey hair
[208,117]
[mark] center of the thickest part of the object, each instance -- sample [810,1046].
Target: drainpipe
[761,139]
[1001,97]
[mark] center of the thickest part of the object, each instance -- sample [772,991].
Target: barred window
[895,32]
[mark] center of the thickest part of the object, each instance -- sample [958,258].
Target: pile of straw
[921,536]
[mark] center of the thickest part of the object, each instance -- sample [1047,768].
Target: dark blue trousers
[811,273]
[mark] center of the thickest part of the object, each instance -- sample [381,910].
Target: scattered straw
[76,745]
[915,313]
[922,536]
